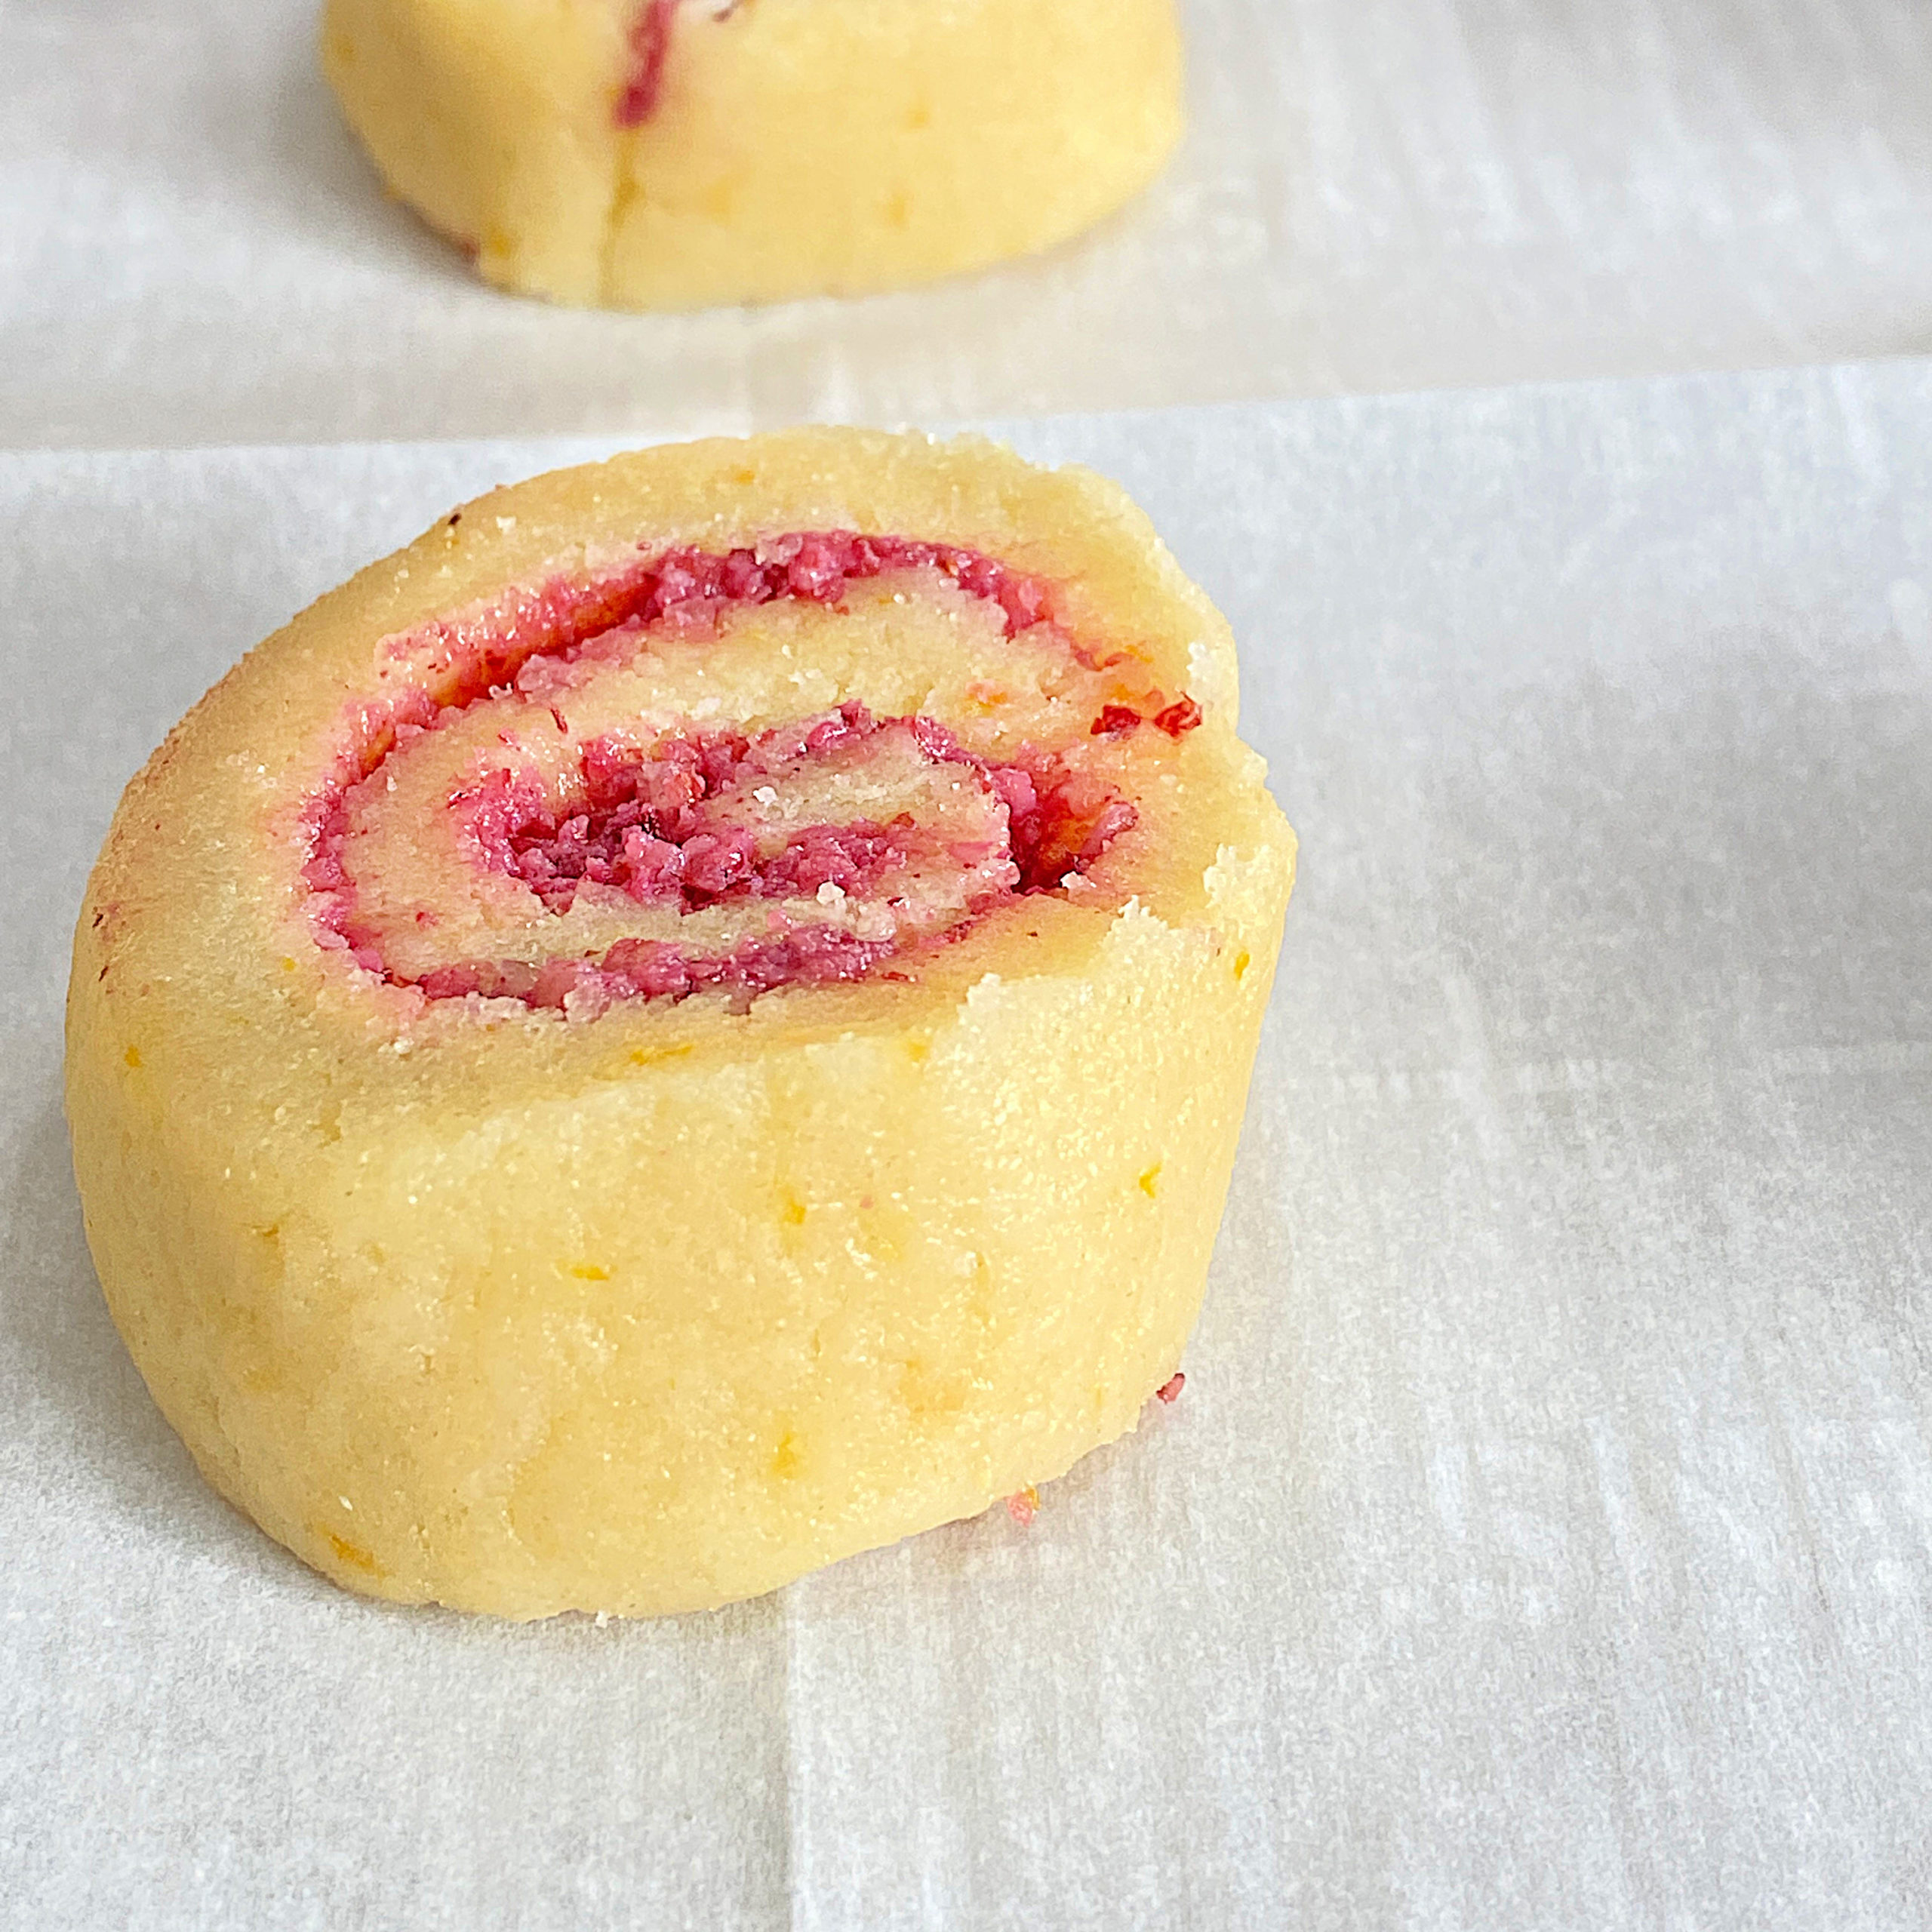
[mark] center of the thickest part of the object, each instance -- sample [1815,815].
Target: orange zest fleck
[357,1558]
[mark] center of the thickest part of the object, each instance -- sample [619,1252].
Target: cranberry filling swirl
[798,763]
[650,49]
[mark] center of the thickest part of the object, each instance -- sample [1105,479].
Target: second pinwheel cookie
[667,154]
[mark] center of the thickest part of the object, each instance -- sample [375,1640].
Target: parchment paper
[1376,195]
[1544,1538]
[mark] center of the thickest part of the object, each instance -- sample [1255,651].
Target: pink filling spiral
[675,824]
[650,48]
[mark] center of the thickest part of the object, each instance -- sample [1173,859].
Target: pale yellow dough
[796,147]
[651,1310]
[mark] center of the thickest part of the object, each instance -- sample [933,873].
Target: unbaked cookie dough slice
[691,1023]
[669,154]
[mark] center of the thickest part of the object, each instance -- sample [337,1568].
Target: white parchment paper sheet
[1375,194]
[1545,1536]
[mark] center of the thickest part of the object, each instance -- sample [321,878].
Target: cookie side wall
[743,1369]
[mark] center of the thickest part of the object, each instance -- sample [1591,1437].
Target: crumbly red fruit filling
[640,823]
[658,857]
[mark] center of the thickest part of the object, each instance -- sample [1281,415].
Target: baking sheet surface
[1544,1535]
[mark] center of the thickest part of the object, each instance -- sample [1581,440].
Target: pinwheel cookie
[664,154]
[691,1023]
